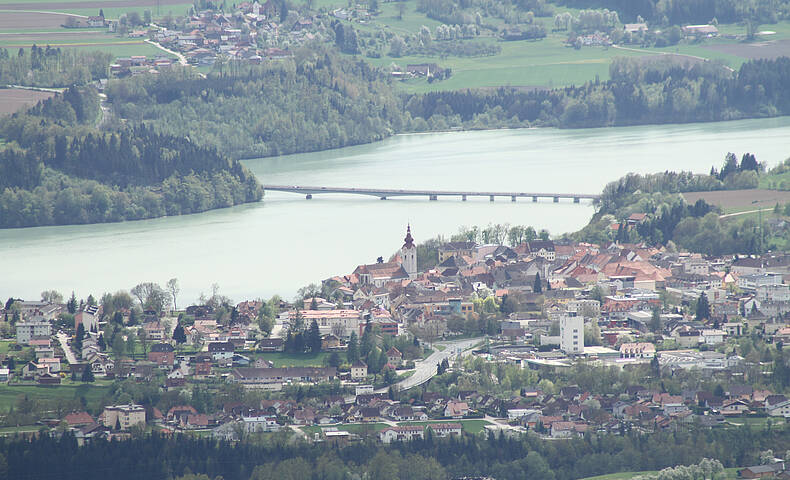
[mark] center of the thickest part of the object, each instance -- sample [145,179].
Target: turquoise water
[285,242]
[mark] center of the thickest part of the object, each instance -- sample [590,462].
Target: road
[747,212]
[64,344]
[181,59]
[426,369]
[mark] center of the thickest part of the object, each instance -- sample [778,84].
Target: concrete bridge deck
[384,193]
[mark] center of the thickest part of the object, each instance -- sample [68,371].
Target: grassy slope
[10,393]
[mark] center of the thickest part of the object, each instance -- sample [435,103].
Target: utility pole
[760,213]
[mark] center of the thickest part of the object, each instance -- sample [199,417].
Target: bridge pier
[490,198]
[575,199]
[463,198]
[433,198]
[556,199]
[309,196]
[512,198]
[535,198]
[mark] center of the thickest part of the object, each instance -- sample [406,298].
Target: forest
[317,101]
[57,168]
[183,457]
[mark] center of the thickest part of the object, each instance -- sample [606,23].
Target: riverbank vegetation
[671,221]
[639,92]
[322,100]
[57,168]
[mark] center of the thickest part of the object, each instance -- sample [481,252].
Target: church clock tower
[408,254]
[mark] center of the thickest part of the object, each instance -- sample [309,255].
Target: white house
[260,423]
[713,336]
[781,409]
[401,433]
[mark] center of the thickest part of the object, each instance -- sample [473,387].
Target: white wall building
[572,334]
[26,331]
[773,293]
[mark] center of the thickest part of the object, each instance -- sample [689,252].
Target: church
[381,273]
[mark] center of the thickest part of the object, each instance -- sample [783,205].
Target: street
[426,369]
[64,344]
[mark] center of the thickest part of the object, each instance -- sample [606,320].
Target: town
[551,337]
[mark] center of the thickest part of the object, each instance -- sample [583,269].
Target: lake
[285,241]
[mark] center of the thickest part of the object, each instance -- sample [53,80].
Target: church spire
[408,242]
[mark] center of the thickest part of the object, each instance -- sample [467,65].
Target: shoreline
[531,127]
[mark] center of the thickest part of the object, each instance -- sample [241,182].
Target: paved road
[426,369]
[63,339]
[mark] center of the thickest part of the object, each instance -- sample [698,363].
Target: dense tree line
[460,12]
[52,67]
[432,458]
[318,100]
[683,12]
[638,93]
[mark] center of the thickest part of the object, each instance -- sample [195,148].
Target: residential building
[402,433]
[88,318]
[260,423]
[359,370]
[29,330]
[456,249]
[125,415]
[445,429]
[456,409]
[163,354]
[572,334]
[221,350]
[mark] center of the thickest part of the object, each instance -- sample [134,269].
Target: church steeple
[408,242]
[408,254]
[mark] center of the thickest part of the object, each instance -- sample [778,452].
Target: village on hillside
[536,311]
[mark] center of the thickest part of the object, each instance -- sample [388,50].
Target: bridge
[384,193]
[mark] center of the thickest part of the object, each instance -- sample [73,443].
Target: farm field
[546,63]
[549,63]
[12,100]
[94,4]
[31,20]
[741,200]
